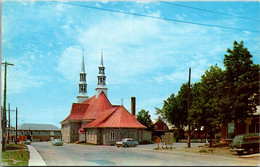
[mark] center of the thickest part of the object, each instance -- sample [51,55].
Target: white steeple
[82,83]
[101,85]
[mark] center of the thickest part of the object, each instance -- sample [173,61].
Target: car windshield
[57,140]
[238,138]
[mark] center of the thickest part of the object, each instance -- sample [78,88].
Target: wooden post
[21,146]
[188,141]
[16,112]
[8,130]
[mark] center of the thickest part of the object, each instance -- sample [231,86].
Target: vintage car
[28,142]
[127,142]
[246,142]
[57,142]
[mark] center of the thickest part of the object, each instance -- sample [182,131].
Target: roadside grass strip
[12,156]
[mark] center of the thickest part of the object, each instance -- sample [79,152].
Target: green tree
[240,88]
[175,111]
[204,109]
[195,113]
[145,118]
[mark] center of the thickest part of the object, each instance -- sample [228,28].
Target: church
[95,120]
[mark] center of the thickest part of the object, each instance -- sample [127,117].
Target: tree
[195,113]
[145,118]
[175,111]
[240,88]
[204,109]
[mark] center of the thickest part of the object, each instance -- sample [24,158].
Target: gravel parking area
[201,148]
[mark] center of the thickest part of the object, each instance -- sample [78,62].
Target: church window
[112,135]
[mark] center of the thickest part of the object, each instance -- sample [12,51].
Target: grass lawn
[12,156]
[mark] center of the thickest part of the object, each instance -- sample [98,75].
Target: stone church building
[95,120]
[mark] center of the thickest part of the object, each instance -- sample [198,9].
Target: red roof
[77,111]
[96,106]
[160,126]
[89,109]
[116,117]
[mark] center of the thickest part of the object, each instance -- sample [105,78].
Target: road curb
[35,158]
[250,155]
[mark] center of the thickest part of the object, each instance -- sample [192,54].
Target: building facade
[95,120]
[250,125]
[160,127]
[37,132]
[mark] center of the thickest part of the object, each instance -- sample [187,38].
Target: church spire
[82,64]
[82,83]
[101,61]
[101,85]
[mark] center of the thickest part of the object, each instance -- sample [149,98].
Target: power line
[210,11]
[159,18]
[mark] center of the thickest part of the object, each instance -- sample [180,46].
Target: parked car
[127,142]
[57,142]
[28,142]
[246,142]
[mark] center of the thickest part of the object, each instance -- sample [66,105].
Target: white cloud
[134,46]
[22,76]
[69,63]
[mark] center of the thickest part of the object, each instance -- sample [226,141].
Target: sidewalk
[35,158]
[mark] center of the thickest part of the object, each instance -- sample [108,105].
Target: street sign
[158,140]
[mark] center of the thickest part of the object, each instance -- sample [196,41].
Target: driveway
[143,155]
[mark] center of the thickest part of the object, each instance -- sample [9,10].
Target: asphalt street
[143,155]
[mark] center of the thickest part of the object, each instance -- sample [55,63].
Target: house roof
[160,125]
[89,109]
[77,111]
[27,126]
[96,106]
[116,117]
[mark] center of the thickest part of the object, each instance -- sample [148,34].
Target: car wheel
[251,151]
[240,152]
[117,146]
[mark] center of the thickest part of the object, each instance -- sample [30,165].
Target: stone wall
[69,132]
[147,135]
[74,134]
[65,131]
[91,135]
[136,134]
[101,136]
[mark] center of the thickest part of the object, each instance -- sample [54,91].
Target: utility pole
[8,130]
[188,141]
[4,108]
[16,112]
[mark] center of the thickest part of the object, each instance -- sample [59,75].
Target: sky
[147,54]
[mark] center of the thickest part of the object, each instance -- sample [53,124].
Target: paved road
[87,155]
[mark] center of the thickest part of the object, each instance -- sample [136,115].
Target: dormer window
[155,127]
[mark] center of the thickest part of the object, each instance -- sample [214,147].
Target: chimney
[133,106]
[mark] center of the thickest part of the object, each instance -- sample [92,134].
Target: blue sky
[144,57]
